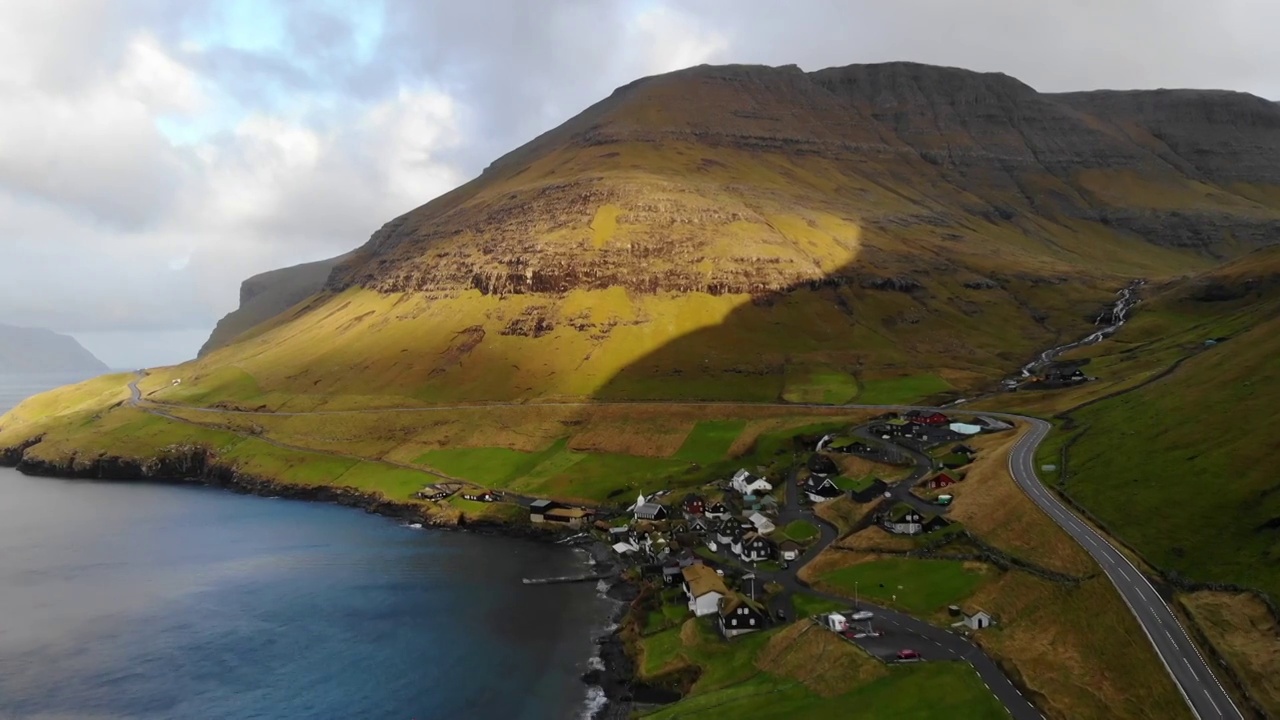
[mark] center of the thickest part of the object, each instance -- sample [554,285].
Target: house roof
[569,513]
[703,580]
[542,504]
[649,510]
[900,511]
[731,602]
[789,544]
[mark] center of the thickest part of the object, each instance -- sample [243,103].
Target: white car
[861,616]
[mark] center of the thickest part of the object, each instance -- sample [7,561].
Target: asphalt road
[1202,691]
[1205,696]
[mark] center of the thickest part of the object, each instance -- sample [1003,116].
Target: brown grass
[1243,630]
[874,538]
[992,506]
[842,512]
[826,663]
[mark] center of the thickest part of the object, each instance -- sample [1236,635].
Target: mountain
[868,224]
[33,351]
[268,294]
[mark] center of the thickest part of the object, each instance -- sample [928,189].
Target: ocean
[138,600]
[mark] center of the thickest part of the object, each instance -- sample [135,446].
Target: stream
[1119,315]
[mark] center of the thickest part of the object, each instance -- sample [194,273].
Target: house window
[753,622]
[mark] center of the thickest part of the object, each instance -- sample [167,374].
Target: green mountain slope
[1183,467]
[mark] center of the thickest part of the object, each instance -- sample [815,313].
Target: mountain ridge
[30,351]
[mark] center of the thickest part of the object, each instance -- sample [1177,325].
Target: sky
[155,153]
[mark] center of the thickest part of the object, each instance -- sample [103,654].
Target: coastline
[611,671]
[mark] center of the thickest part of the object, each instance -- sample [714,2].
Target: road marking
[1193,670]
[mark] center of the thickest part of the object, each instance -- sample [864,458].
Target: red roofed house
[941,480]
[931,418]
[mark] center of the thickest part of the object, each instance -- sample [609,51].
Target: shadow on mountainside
[853,335]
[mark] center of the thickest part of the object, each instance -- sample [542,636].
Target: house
[651,511]
[572,517]
[625,548]
[789,549]
[976,621]
[965,428]
[738,615]
[699,525]
[819,489]
[941,480]
[902,519]
[619,533]
[694,504]
[928,417]
[679,528]
[432,492]
[747,485]
[479,495]
[764,525]
[717,511]
[726,530]
[756,548]
[704,588]
[820,464]
[672,573]
[735,542]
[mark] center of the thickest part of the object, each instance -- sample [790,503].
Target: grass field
[910,389]
[918,586]
[929,690]
[802,531]
[710,440]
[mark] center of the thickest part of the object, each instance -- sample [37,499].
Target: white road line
[1193,670]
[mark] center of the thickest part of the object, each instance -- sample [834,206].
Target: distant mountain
[34,350]
[266,295]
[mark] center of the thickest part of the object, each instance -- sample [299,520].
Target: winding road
[1204,694]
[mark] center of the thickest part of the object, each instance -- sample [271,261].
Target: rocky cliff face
[264,296]
[694,166]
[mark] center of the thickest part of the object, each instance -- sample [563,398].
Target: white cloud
[296,142]
[670,39]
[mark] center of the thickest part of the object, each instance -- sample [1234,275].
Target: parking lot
[884,639]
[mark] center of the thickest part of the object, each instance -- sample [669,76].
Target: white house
[651,511]
[976,621]
[747,485]
[704,588]
[763,524]
[623,548]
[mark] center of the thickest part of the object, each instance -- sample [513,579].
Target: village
[729,552]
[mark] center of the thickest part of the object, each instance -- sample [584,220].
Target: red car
[908,655]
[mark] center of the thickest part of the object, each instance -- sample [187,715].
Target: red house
[941,480]
[694,504]
[931,418]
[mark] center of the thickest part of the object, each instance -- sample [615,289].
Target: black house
[820,488]
[737,616]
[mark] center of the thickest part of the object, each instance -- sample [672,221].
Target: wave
[595,702]
[414,526]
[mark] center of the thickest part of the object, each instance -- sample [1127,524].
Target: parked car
[861,616]
[908,655]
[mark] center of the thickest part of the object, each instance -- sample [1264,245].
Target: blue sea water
[136,600]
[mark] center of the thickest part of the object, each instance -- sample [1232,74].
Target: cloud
[154,154]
